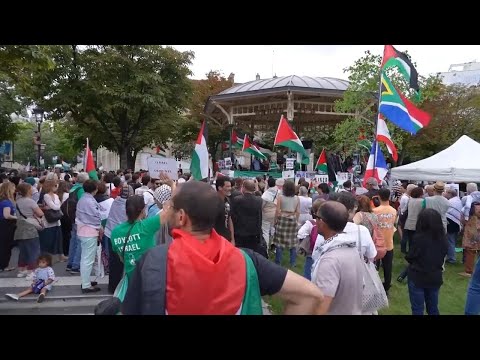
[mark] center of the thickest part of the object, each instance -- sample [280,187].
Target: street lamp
[38,113]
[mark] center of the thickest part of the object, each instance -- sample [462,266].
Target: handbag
[374,296]
[32,221]
[113,305]
[52,216]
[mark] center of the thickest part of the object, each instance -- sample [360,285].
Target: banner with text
[156,165]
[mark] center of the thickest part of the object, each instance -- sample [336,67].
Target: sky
[245,61]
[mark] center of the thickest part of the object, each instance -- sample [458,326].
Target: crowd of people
[219,247]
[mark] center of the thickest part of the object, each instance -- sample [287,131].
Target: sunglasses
[158,184]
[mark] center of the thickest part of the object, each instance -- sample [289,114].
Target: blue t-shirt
[6,204]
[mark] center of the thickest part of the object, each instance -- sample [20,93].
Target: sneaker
[12,297]
[68,269]
[30,277]
[90,290]
[22,273]
[75,271]
[40,298]
[465,274]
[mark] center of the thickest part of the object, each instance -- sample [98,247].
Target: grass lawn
[452,293]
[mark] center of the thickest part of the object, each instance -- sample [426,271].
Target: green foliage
[360,98]
[186,130]
[125,97]
[56,136]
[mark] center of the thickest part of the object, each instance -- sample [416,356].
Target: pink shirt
[86,231]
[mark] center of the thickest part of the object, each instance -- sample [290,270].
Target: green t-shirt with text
[140,240]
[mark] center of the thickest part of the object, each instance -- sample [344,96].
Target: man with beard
[223,224]
[202,273]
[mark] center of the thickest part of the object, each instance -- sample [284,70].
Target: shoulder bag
[32,221]
[374,297]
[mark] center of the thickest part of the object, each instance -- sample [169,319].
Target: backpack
[378,240]
[69,207]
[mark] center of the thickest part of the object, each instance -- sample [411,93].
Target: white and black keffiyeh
[163,194]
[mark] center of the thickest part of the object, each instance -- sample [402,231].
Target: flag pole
[377,115]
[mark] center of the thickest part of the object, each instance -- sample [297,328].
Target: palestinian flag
[286,137]
[210,278]
[399,110]
[248,147]
[383,135]
[322,162]
[90,164]
[236,140]
[199,165]
[392,57]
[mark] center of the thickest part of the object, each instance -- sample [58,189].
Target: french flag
[377,170]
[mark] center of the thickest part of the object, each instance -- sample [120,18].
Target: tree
[360,98]
[187,129]
[124,97]
[57,138]
[456,112]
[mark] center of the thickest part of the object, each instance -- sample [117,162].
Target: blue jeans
[106,245]
[75,250]
[279,253]
[472,306]
[423,296]
[89,249]
[452,238]
[307,271]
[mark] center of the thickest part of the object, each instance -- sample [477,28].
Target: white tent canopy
[458,163]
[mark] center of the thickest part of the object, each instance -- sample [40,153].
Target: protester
[65,223]
[438,202]
[237,189]
[224,224]
[287,214]
[140,233]
[472,305]
[7,224]
[372,186]
[205,274]
[305,206]
[365,215]
[471,236]
[117,183]
[386,216]
[29,220]
[454,222]
[117,215]
[426,257]
[89,232]
[309,229]
[246,213]
[323,192]
[75,249]
[51,240]
[338,270]
[269,207]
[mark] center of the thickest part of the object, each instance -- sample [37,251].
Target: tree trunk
[131,160]
[123,152]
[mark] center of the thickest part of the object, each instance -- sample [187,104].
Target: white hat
[181,180]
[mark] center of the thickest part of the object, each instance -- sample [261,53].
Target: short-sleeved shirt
[339,275]
[386,216]
[44,274]
[140,240]
[222,221]
[26,206]
[6,204]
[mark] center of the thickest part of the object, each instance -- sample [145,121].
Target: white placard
[158,164]
[321,179]
[290,164]
[289,174]
[344,176]
[228,163]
